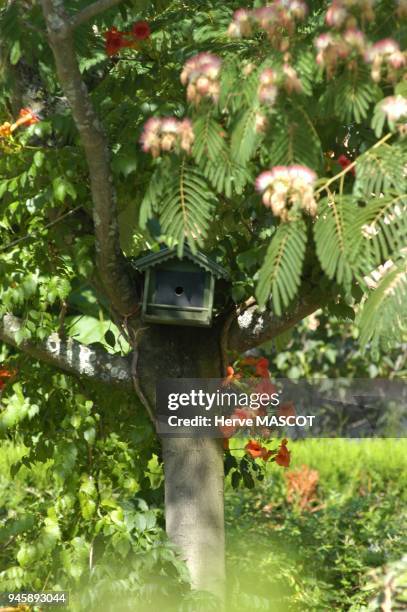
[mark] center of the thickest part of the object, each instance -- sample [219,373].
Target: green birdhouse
[178,291]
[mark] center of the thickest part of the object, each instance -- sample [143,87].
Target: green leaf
[39,158]
[354,94]
[186,206]
[281,271]
[225,175]
[380,170]
[110,338]
[151,199]
[244,139]
[338,238]
[62,187]
[296,141]
[15,53]
[124,162]
[383,223]
[209,139]
[384,316]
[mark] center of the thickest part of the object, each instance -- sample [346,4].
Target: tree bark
[194,509]
[255,326]
[111,263]
[194,475]
[69,355]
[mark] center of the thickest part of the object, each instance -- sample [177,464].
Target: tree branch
[92,11]
[110,260]
[254,327]
[70,356]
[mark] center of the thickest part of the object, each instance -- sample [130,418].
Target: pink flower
[383,47]
[166,134]
[323,41]
[264,180]
[267,77]
[297,9]
[302,173]
[169,124]
[186,133]
[285,187]
[260,123]
[267,89]
[394,107]
[241,24]
[241,15]
[355,38]
[200,73]
[265,15]
[336,15]
[291,82]
[385,54]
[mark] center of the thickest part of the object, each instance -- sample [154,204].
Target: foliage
[82,492]
[308,114]
[283,556]
[85,505]
[84,511]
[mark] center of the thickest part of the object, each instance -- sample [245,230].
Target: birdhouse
[178,291]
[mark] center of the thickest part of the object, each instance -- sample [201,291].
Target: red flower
[283,456]
[230,376]
[256,450]
[114,41]
[262,367]
[345,162]
[4,374]
[141,30]
[26,117]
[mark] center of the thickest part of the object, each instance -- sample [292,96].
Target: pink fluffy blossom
[288,189]
[200,74]
[166,134]
[394,107]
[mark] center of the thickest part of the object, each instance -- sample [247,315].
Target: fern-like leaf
[186,207]
[384,315]
[281,271]
[380,170]
[295,141]
[338,237]
[226,176]
[354,93]
[209,139]
[244,138]
[307,69]
[151,199]
[383,222]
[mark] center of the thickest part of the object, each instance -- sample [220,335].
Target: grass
[282,557]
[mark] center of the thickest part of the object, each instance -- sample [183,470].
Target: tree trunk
[194,477]
[194,508]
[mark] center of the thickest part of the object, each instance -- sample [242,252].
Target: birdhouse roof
[165,254]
